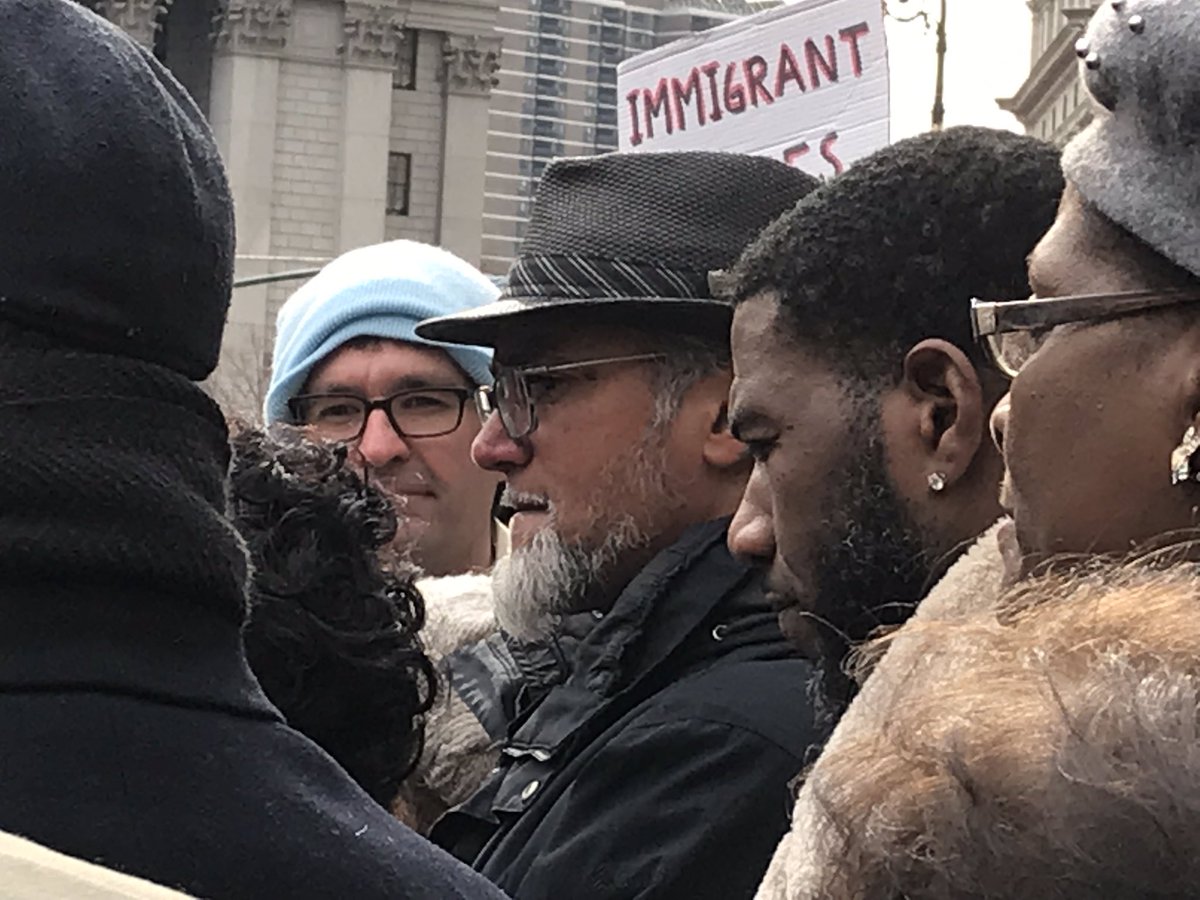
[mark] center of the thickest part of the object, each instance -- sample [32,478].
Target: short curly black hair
[892,251]
[333,633]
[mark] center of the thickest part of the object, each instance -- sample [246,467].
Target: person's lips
[798,627]
[778,599]
[409,483]
[411,497]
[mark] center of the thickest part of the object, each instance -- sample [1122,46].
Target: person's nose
[379,443]
[495,451]
[999,422]
[752,531]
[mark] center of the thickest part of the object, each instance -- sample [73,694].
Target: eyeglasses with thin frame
[514,399]
[412,413]
[1014,331]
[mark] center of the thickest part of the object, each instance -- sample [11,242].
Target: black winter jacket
[132,732]
[660,767]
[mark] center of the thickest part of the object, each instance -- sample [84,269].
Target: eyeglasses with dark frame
[1015,330]
[512,398]
[412,413]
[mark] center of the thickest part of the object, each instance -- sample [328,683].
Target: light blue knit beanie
[379,291]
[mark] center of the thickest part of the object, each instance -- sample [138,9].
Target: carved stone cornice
[374,33]
[453,16]
[471,63]
[253,25]
[138,18]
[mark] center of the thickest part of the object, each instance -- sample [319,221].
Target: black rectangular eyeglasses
[412,413]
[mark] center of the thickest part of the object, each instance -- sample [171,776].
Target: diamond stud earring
[1183,456]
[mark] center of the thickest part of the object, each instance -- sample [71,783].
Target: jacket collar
[652,618]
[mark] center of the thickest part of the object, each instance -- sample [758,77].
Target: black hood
[117,229]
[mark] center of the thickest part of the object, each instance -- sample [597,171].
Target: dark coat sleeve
[644,819]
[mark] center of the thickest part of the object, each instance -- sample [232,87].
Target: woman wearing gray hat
[1101,429]
[1101,438]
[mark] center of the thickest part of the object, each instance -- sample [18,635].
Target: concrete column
[243,108]
[373,35]
[470,74]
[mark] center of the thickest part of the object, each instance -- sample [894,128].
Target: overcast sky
[988,56]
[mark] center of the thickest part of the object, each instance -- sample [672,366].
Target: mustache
[513,500]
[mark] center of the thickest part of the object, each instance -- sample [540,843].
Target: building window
[404,78]
[399,181]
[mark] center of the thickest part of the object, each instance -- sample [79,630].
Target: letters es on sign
[805,83]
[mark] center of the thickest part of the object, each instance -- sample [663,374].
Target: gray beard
[548,578]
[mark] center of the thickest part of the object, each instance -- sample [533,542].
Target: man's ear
[721,449]
[944,387]
[708,402]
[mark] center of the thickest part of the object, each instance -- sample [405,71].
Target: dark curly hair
[333,632]
[891,252]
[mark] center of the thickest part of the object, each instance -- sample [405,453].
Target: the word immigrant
[714,90]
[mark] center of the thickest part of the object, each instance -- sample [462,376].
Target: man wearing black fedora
[658,764]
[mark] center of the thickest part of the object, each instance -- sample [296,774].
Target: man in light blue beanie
[349,366]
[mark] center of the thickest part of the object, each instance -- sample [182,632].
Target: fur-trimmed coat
[458,752]
[485,677]
[797,871]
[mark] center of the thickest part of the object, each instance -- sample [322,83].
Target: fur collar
[973,583]
[458,753]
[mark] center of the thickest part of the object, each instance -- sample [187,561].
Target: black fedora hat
[631,237]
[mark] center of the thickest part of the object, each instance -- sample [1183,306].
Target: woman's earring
[937,481]
[1183,458]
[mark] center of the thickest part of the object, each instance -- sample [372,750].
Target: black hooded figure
[132,732]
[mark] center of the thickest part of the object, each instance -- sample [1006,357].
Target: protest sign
[805,83]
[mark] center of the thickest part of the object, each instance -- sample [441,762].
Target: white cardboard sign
[805,83]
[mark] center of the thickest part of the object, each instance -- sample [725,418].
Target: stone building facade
[342,123]
[349,122]
[1052,104]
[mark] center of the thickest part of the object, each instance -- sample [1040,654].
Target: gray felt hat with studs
[1139,161]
